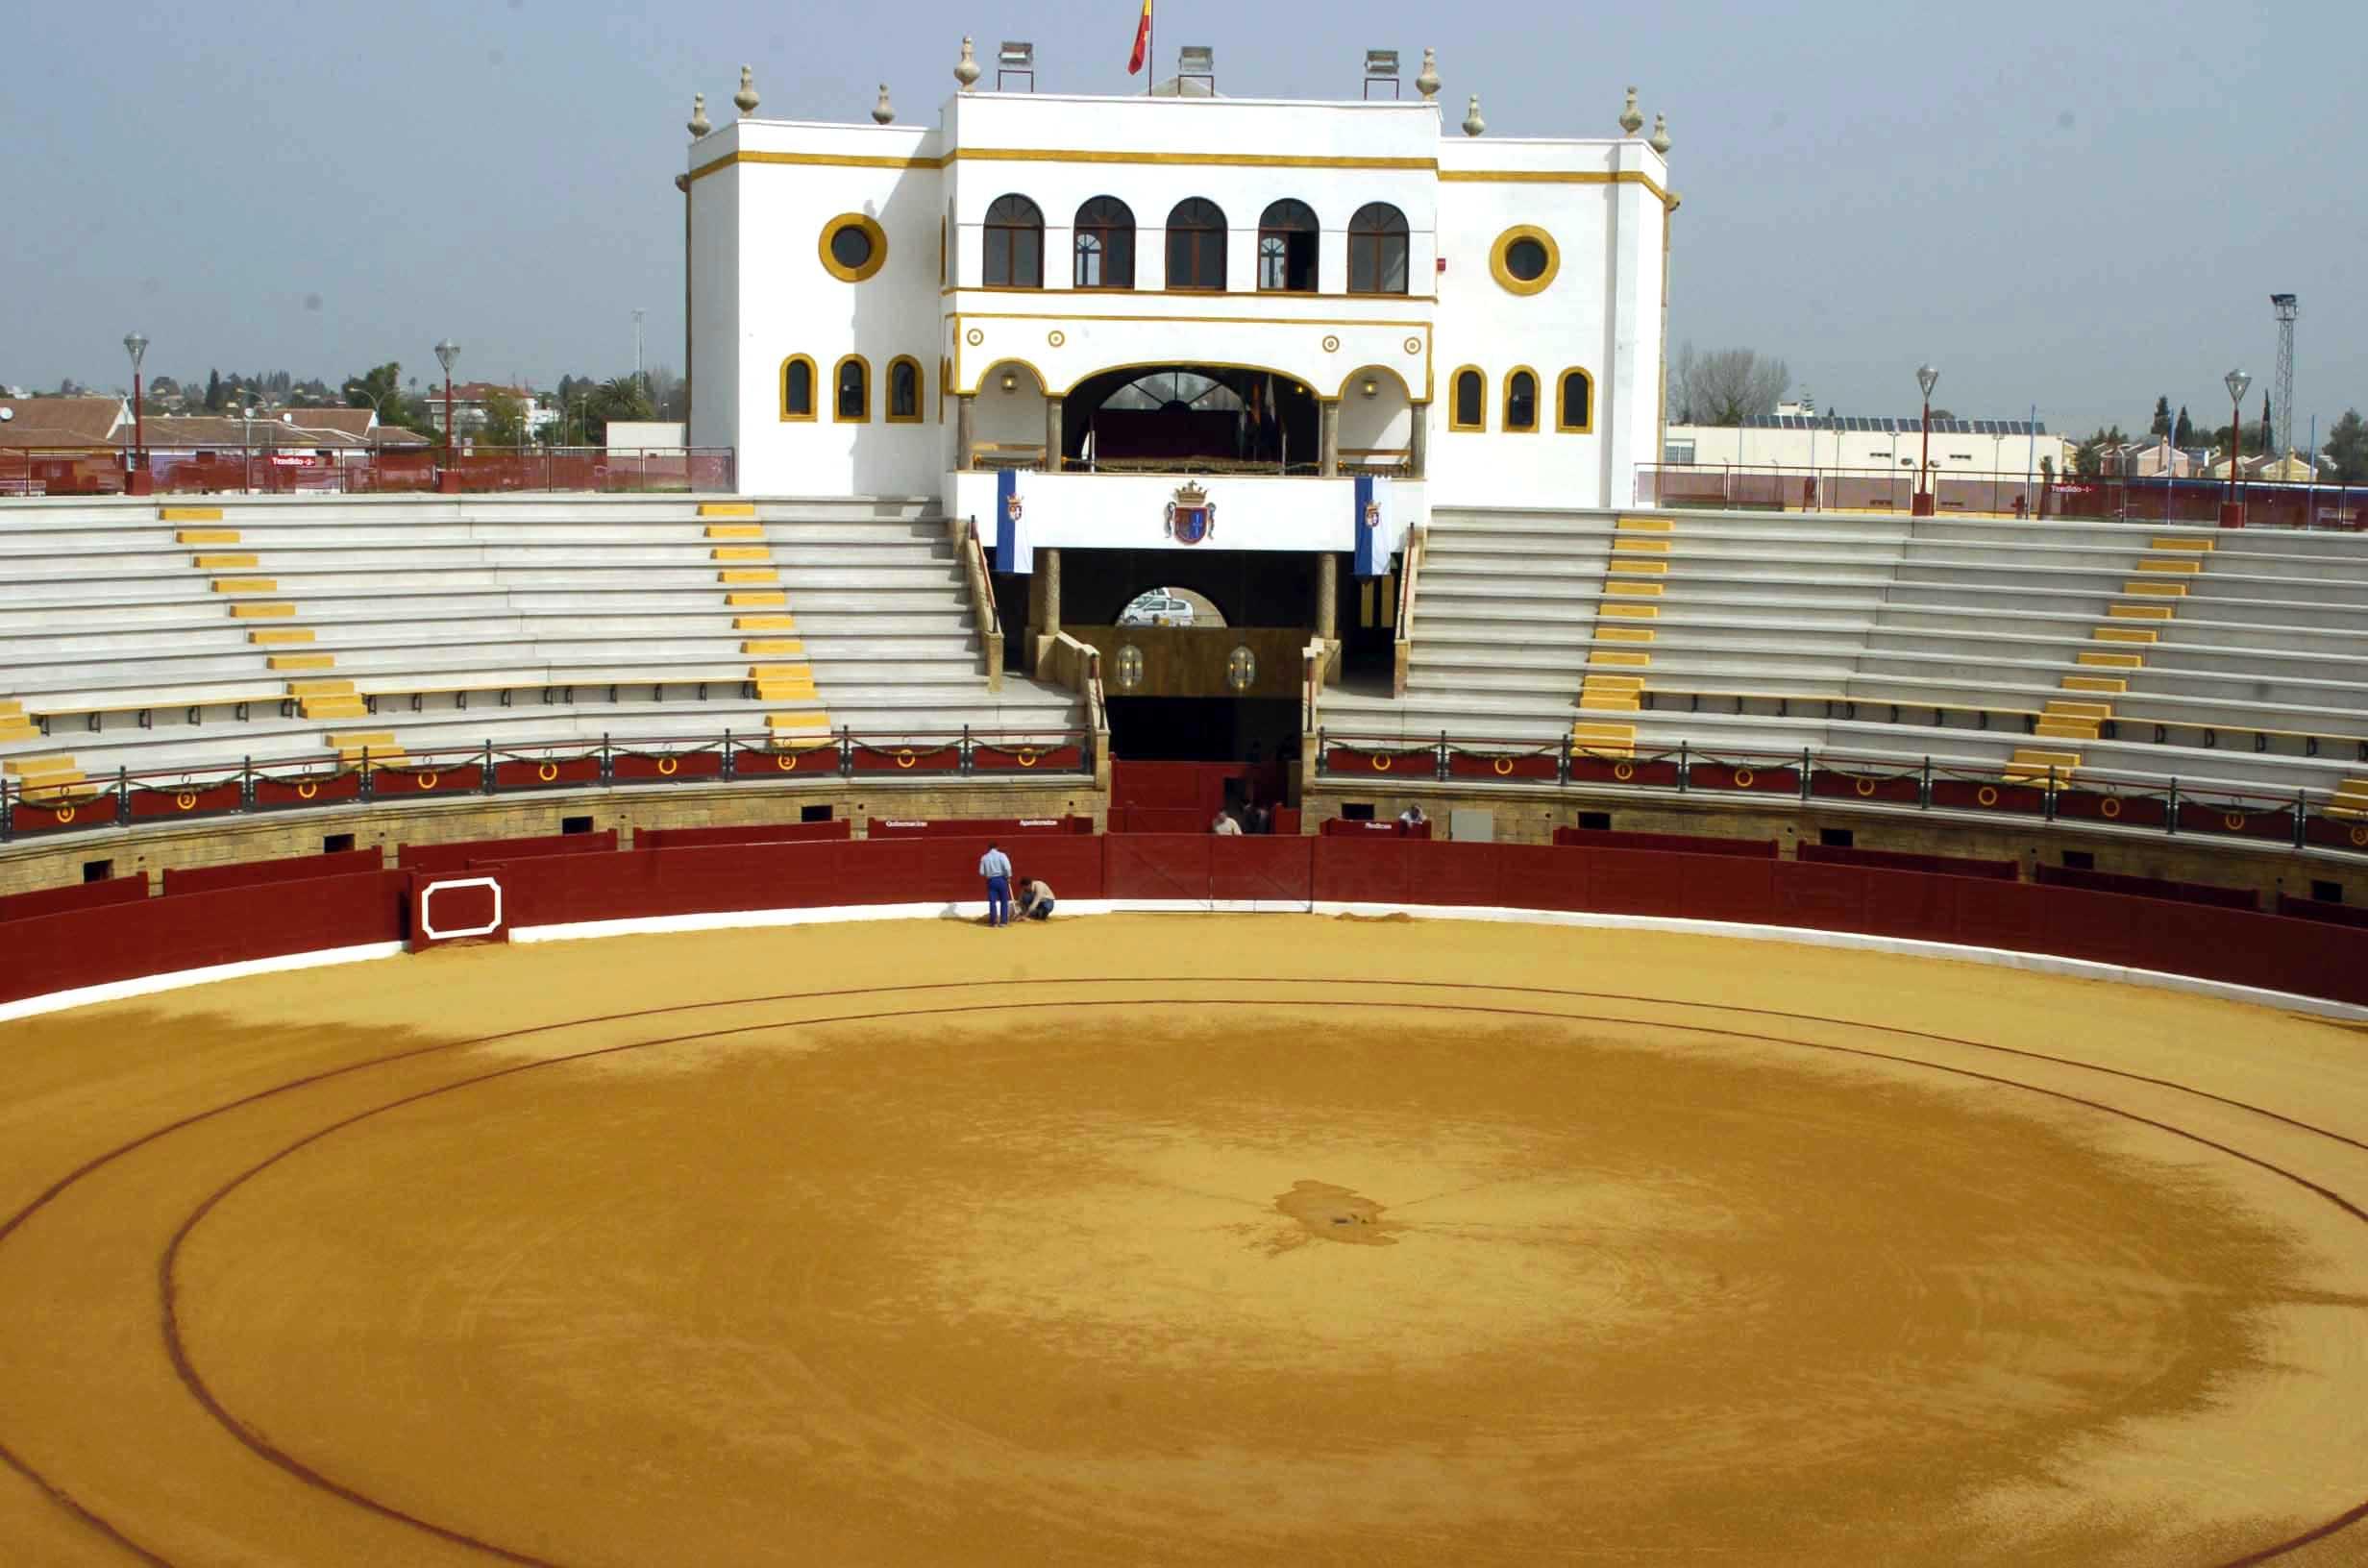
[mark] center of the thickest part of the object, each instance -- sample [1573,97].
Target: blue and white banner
[1010,555]
[1372,539]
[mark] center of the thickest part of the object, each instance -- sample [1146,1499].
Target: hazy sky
[2075,205]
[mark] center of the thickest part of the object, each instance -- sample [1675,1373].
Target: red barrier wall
[91,946]
[1894,860]
[2149,887]
[1676,842]
[115,890]
[2312,909]
[1161,818]
[975,827]
[2325,955]
[689,838]
[250,874]
[454,857]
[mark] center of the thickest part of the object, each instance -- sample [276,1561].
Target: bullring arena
[1181,1238]
[1599,1009]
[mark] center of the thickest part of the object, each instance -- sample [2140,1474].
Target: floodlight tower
[2288,306]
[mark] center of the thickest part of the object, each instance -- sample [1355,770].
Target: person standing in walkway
[995,867]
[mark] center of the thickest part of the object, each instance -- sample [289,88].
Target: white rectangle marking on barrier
[426,902]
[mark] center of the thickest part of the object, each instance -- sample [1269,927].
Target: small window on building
[1468,407]
[814,814]
[1595,821]
[1378,250]
[1837,838]
[905,391]
[853,247]
[336,844]
[98,871]
[1524,260]
[2079,860]
[1287,243]
[574,824]
[851,404]
[1015,244]
[2327,892]
[1574,413]
[1521,402]
[798,387]
[1356,811]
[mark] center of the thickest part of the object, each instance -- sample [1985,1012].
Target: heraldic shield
[1192,516]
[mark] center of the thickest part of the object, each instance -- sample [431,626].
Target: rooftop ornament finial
[1427,84]
[1658,141]
[1473,124]
[966,69]
[884,111]
[745,97]
[1631,118]
[699,124]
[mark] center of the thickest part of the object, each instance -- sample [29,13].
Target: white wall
[1715,446]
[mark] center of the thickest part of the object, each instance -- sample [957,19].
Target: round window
[1524,259]
[853,247]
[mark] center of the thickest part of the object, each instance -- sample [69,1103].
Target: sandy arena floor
[1181,1239]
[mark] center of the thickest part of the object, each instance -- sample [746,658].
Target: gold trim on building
[1504,276]
[839,416]
[1561,405]
[1537,396]
[871,230]
[1455,421]
[888,393]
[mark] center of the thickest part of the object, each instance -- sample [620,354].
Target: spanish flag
[1143,40]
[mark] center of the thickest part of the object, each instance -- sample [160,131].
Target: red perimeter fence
[120,936]
[2107,499]
[35,471]
[131,799]
[2302,818]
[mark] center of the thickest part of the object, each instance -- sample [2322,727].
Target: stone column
[1043,610]
[1419,439]
[965,424]
[1328,444]
[1052,435]
[1327,595]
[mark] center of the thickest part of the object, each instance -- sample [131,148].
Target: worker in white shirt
[1225,826]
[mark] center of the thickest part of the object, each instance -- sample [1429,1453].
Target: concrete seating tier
[2134,649]
[149,636]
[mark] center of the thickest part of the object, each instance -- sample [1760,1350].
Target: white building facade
[1327,314]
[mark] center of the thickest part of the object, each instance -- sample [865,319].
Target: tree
[2183,435]
[1726,386]
[213,390]
[2089,459]
[620,397]
[2347,448]
[2163,416]
[506,421]
[2269,432]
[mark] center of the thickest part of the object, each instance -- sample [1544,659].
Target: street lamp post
[1926,377]
[445,352]
[139,483]
[2233,509]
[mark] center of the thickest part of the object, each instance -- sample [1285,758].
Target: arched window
[797,387]
[1467,408]
[1015,244]
[1287,239]
[852,398]
[904,390]
[1378,250]
[1196,245]
[1521,399]
[1577,413]
[1105,244]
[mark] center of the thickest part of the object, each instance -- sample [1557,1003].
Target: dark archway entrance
[1190,419]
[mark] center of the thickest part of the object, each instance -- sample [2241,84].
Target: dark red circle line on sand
[186,1367]
[74,1506]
